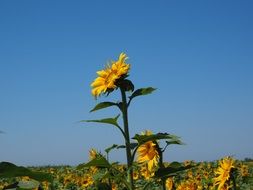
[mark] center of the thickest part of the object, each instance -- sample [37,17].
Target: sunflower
[169,183]
[106,80]
[145,172]
[86,181]
[223,172]
[148,153]
[93,154]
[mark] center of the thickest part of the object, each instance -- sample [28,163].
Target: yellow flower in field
[135,175]
[93,154]
[188,185]
[147,153]
[169,183]
[244,170]
[106,80]
[114,186]
[86,181]
[147,132]
[25,178]
[145,172]
[45,185]
[223,172]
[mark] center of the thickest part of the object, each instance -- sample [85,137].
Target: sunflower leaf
[99,161]
[177,141]
[172,170]
[103,105]
[141,92]
[112,121]
[145,138]
[111,148]
[132,146]
[9,170]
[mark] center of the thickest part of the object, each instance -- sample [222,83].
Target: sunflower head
[108,78]
[147,153]
[169,183]
[93,154]
[223,172]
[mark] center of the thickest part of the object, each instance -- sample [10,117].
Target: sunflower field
[203,175]
[145,169]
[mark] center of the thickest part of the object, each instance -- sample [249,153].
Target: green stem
[161,164]
[127,138]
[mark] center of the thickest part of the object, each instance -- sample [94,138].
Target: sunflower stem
[161,164]
[127,138]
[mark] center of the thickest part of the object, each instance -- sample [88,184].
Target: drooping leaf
[9,170]
[99,161]
[179,142]
[145,138]
[141,92]
[103,105]
[111,148]
[173,169]
[132,146]
[112,121]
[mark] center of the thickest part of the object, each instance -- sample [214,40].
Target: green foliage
[103,105]
[111,121]
[99,161]
[141,92]
[132,146]
[111,148]
[172,170]
[9,170]
[145,138]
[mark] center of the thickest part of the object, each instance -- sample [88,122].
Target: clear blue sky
[198,54]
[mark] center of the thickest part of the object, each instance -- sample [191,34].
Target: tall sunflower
[147,153]
[223,172]
[106,80]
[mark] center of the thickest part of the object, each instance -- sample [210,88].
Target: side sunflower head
[147,153]
[107,78]
[93,154]
[223,172]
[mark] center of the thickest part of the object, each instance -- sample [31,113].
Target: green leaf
[102,185]
[111,148]
[112,121]
[179,142]
[145,138]
[132,146]
[172,170]
[141,92]
[9,170]
[98,162]
[103,105]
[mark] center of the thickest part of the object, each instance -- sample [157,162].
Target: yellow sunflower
[169,183]
[147,153]
[106,80]
[223,172]
[92,154]
[145,172]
